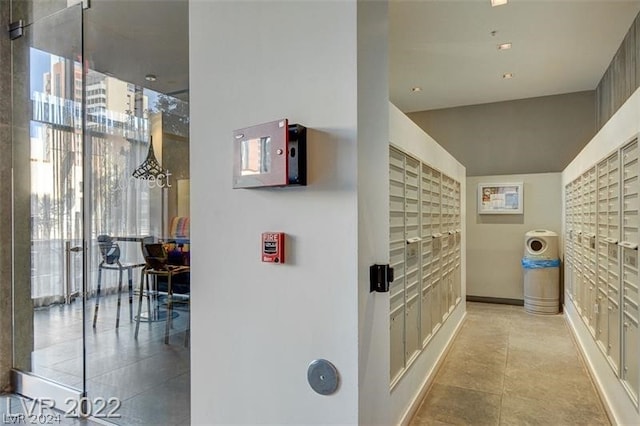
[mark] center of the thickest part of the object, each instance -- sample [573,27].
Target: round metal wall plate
[323,377]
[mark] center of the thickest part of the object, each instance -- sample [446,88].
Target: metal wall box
[270,154]
[380,277]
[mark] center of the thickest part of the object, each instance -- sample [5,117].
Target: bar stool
[156,266]
[110,253]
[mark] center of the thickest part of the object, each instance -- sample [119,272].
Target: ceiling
[130,39]
[449,49]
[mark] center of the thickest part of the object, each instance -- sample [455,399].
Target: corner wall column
[6,348]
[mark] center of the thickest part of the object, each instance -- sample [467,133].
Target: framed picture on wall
[500,198]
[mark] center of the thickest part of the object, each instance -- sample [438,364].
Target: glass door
[101,168]
[137,149]
[48,175]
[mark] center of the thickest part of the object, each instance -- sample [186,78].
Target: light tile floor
[508,367]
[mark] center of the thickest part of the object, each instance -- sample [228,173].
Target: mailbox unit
[425,241]
[601,258]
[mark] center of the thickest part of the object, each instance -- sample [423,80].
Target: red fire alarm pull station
[273,247]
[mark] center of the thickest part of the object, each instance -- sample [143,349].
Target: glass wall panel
[102,174]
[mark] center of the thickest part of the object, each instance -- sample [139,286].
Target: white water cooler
[541,272]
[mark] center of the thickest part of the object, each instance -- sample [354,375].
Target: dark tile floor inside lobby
[149,377]
[508,367]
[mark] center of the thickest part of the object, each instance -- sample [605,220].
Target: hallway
[507,367]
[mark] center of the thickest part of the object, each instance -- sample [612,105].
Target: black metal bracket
[16,29]
[380,277]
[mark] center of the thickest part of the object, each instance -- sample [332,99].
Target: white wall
[373,210]
[624,124]
[495,243]
[406,135]
[257,326]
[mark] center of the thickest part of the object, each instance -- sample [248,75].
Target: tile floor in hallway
[508,367]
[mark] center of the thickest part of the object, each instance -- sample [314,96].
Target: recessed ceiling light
[150,77]
[504,46]
[495,3]
[507,75]
[416,89]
